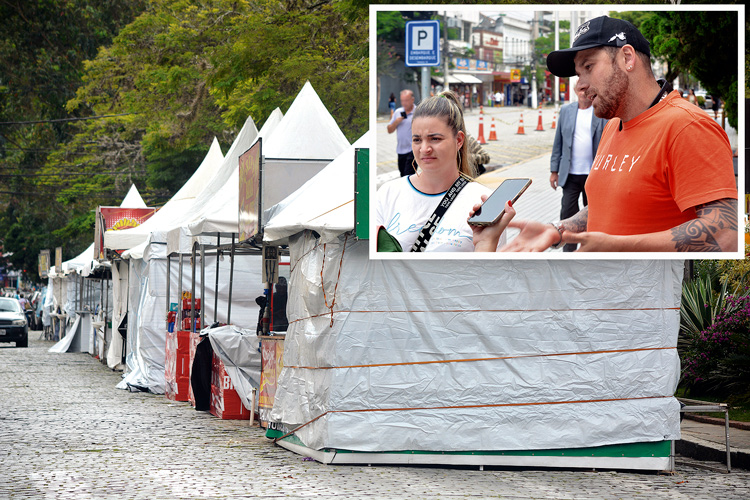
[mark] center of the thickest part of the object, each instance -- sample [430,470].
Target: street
[66,432]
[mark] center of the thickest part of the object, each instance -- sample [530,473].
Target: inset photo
[511,131]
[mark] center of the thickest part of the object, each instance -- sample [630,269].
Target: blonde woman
[444,171]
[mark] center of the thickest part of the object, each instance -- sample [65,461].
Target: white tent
[558,363]
[303,142]
[66,287]
[129,238]
[217,211]
[329,214]
[148,271]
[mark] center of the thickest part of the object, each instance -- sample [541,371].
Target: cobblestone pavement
[67,433]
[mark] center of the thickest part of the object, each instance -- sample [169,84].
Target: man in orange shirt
[662,179]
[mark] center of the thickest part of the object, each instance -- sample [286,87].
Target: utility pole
[557,47]
[534,35]
[446,51]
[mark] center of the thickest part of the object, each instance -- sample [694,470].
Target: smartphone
[494,207]
[403,114]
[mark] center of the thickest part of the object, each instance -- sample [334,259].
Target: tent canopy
[328,214]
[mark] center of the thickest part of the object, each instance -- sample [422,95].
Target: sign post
[423,49]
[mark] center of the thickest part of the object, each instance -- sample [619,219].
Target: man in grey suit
[576,140]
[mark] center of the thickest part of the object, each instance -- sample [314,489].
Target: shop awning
[458,78]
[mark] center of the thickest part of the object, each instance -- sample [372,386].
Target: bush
[716,360]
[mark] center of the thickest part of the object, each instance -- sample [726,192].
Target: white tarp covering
[119,304]
[64,344]
[239,349]
[477,355]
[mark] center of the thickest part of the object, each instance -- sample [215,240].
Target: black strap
[429,227]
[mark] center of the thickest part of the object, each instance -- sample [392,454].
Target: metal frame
[695,406]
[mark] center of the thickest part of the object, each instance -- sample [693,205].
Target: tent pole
[203,285]
[169,283]
[216,288]
[192,289]
[231,282]
[179,294]
[106,308]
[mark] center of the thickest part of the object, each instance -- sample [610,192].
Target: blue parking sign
[423,43]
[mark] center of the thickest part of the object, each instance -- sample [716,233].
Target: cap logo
[620,36]
[582,29]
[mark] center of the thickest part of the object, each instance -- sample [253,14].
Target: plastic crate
[225,402]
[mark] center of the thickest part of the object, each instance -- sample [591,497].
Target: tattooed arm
[713,230]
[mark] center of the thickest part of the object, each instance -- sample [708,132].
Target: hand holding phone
[403,114]
[493,208]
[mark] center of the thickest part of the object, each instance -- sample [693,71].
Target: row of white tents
[539,363]
[203,211]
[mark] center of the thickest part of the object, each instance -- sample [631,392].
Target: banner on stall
[249,201]
[44,263]
[272,360]
[116,219]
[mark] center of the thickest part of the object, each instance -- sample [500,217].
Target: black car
[13,326]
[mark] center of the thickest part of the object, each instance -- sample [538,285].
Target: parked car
[13,325]
[708,102]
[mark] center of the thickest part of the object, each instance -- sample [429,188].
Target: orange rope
[454,311]
[338,277]
[495,405]
[470,360]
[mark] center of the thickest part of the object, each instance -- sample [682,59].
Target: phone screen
[494,207]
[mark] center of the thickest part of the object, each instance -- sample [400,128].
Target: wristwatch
[560,230]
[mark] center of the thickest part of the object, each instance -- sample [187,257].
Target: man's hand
[534,237]
[391,127]
[486,238]
[553,177]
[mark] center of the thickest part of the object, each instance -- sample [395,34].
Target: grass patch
[739,412]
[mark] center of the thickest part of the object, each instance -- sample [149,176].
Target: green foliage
[716,360]
[43,49]
[702,44]
[714,341]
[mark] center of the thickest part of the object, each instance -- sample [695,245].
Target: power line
[71,174]
[57,120]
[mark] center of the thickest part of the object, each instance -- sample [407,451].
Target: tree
[43,46]
[702,44]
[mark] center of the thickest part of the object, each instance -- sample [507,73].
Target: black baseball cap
[598,32]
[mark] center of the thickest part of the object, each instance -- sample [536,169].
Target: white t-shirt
[402,210]
[583,152]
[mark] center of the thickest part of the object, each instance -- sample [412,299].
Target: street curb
[745,426]
[706,451]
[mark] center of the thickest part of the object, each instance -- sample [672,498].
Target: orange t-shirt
[650,176]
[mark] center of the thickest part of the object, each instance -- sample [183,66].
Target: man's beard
[607,106]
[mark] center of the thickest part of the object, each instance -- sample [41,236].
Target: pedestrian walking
[576,141]
[401,124]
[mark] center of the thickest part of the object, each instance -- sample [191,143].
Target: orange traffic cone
[493,135]
[480,137]
[539,127]
[554,119]
[520,126]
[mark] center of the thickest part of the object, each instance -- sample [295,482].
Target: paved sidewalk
[707,442]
